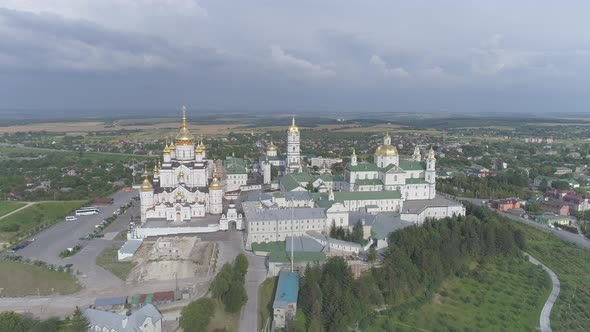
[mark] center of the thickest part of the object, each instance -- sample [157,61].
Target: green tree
[77,322]
[13,322]
[197,315]
[357,232]
[221,282]
[372,255]
[235,297]
[241,266]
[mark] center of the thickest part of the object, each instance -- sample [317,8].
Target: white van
[71,218]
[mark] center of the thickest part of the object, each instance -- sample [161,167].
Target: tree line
[510,184]
[13,322]
[418,260]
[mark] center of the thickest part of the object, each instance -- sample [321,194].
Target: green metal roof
[276,246]
[321,199]
[407,165]
[235,165]
[289,182]
[364,167]
[367,182]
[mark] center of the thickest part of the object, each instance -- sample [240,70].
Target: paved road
[254,278]
[230,245]
[544,320]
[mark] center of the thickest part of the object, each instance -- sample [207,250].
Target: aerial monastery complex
[189,193]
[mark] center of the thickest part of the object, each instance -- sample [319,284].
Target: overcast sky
[463,56]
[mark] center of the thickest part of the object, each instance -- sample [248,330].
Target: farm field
[506,294]
[28,219]
[18,279]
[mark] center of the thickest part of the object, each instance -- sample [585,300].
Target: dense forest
[419,258]
[510,184]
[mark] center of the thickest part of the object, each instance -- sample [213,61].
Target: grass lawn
[7,207]
[18,279]
[223,321]
[572,266]
[27,220]
[506,294]
[108,260]
[266,294]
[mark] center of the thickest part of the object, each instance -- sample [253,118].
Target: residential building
[146,319]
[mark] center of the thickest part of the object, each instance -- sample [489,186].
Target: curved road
[544,320]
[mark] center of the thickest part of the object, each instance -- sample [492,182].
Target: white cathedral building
[185,184]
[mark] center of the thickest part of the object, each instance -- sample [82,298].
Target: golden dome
[271,147]
[146,185]
[215,184]
[431,154]
[166,149]
[386,150]
[184,136]
[156,169]
[293,129]
[172,147]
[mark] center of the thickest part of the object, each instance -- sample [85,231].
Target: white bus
[86,211]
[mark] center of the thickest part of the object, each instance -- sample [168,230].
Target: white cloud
[492,59]
[386,70]
[285,60]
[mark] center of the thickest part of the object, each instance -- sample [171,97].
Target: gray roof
[294,195]
[329,240]
[254,213]
[130,246]
[367,218]
[303,244]
[419,205]
[386,223]
[122,323]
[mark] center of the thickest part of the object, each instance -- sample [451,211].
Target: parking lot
[67,234]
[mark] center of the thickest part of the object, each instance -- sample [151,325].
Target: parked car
[71,218]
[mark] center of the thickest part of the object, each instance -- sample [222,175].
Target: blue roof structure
[287,290]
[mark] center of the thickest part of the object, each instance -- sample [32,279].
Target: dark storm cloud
[275,55]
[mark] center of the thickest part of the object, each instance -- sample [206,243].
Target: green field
[17,279]
[266,294]
[572,266]
[32,218]
[7,207]
[108,260]
[506,294]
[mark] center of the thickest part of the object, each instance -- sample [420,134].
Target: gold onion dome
[172,147]
[386,150]
[215,184]
[184,136]
[156,169]
[166,149]
[271,147]
[146,185]
[293,129]
[431,154]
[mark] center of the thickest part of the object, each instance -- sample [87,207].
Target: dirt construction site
[168,258]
